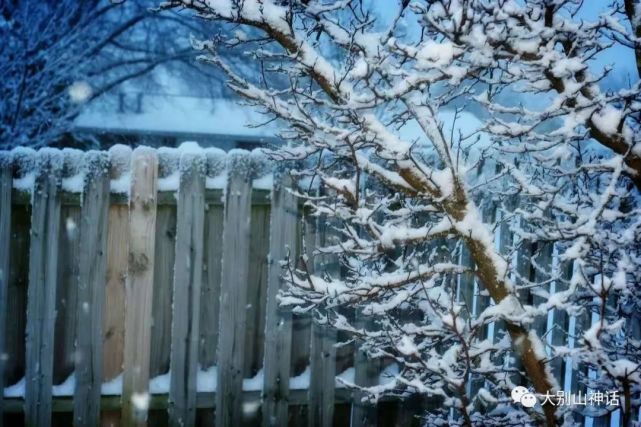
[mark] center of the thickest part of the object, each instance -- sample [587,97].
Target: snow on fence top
[73,163]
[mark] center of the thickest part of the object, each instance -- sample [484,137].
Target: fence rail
[146,280]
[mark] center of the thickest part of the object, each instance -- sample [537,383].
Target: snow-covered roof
[174,114]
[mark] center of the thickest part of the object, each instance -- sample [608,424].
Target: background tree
[57,56]
[537,208]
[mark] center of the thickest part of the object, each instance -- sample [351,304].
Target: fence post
[188,268]
[41,294]
[91,289]
[278,324]
[139,286]
[6,183]
[233,295]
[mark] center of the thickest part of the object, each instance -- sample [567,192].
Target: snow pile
[120,158]
[24,160]
[73,173]
[262,170]
[216,168]
[168,169]
[239,163]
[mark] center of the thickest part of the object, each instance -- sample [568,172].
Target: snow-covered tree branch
[534,205]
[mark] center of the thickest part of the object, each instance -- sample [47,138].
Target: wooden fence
[140,288]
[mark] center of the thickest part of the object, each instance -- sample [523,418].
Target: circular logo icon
[528,400]
[523,396]
[518,392]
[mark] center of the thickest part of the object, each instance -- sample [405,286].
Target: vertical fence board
[114,311]
[323,376]
[323,351]
[366,374]
[466,296]
[301,323]
[66,293]
[15,339]
[91,290]
[301,335]
[161,311]
[68,262]
[139,286]
[210,300]
[504,247]
[278,323]
[560,321]
[188,268]
[41,297]
[15,330]
[482,300]
[256,290]
[114,306]
[6,183]
[542,269]
[117,253]
[233,296]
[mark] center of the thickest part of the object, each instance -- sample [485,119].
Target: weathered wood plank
[114,307]
[117,256]
[256,290]
[210,300]
[323,373]
[114,311]
[212,265]
[139,286]
[66,293]
[161,311]
[233,296]
[301,323]
[6,183]
[41,299]
[15,330]
[323,351]
[91,289]
[188,269]
[278,322]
